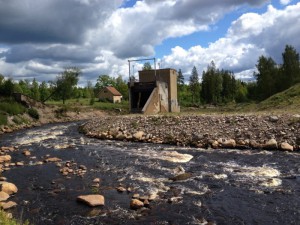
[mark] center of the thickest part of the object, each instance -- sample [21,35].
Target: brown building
[155,92]
[111,94]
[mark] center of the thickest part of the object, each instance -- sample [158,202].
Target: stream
[221,187]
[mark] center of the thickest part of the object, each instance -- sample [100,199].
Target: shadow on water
[217,186]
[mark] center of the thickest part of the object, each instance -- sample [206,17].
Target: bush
[33,113]
[3,119]
[4,220]
[19,120]
[61,111]
[12,108]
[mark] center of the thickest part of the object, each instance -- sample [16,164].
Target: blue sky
[99,36]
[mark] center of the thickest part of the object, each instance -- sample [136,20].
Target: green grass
[12,107]
[4,220]
[84,104]
[3,119]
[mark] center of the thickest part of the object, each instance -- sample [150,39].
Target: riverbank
[251,131]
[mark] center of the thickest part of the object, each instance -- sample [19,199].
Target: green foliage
[147,66]
[17,119]
[104,81]
[44,91]
[65,83]
[194,85]
[12,108]
[33,113]
[3,119]
[92,101]
[5,220]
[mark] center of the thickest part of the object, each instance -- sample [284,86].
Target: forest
[216,87]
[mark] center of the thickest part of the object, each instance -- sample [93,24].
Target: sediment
[263,131]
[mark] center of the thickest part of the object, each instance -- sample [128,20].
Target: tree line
[64,87]
[220,86]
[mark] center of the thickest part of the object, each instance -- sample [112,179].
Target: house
[111,94]
[155,92]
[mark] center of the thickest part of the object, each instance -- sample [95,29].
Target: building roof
[113,91]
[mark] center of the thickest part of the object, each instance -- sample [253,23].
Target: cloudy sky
[38,39]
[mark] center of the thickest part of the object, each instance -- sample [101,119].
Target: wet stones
[71,168]
[136,204]
[92,200]
[286,146]
[5,158]
[180,177]
[8,188]
[52,159]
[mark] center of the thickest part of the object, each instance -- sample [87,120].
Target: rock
[96,180]
[146,203]
[26,152]
[53,159]
[183,176]
[83,167]
[270,144]
[3,196]
[273,119]
[91,200]
[9,188]
[230,143]
[5,158]
[138,135]
[19,164]
[136,196]
[121,189]
[286,146]
[7,205]
[254,144]
[136,204]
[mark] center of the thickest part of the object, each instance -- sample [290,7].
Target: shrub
[12,108]
[33,113]
[3,119]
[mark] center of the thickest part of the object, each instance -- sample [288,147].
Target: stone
[271,144]
[138,135]
[53,159]
[136,204]
[183,176]
[26,152]
[230,143]
[3,196]
[7,205]
[96,180]
[136,196]
[83,167]
[5,158]
[19,164]
[254,144]
[286,146]
[92,200]
[121,189]
[273,119]
[146,203]
[7,187]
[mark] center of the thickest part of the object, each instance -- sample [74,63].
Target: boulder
[5,158]
[271,144]
[7,187]
[92,200]
[53,159]
[136,204]
[121,189]
[7,205]
[286,146]
[3,196]
[273,119]
[138,135]
[230,143]
[26,153]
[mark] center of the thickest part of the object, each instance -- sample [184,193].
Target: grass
[12,107]
[3,119]
[82,104]
[4,220]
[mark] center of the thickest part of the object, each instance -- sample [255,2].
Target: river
[222,186]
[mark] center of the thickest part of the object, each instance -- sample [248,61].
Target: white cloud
[249,37]
[285,2]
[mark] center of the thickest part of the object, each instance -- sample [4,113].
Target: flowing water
[220,186]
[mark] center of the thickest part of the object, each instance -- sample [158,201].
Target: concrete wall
[164,75]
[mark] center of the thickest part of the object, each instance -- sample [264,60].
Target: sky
[39,39]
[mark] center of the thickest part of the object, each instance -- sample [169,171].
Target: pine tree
[194,84]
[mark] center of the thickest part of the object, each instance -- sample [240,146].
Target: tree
[25,86]
[147,66]
[290,68]
[104,81]
[66,82]
[194,84]
[180,79]
[35,93]
[7,87]
[44,91]
[122,87]
[266,77]
[228,86]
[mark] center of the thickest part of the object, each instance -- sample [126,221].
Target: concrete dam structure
[155,92]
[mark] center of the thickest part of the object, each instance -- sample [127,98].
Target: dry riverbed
[205,131]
